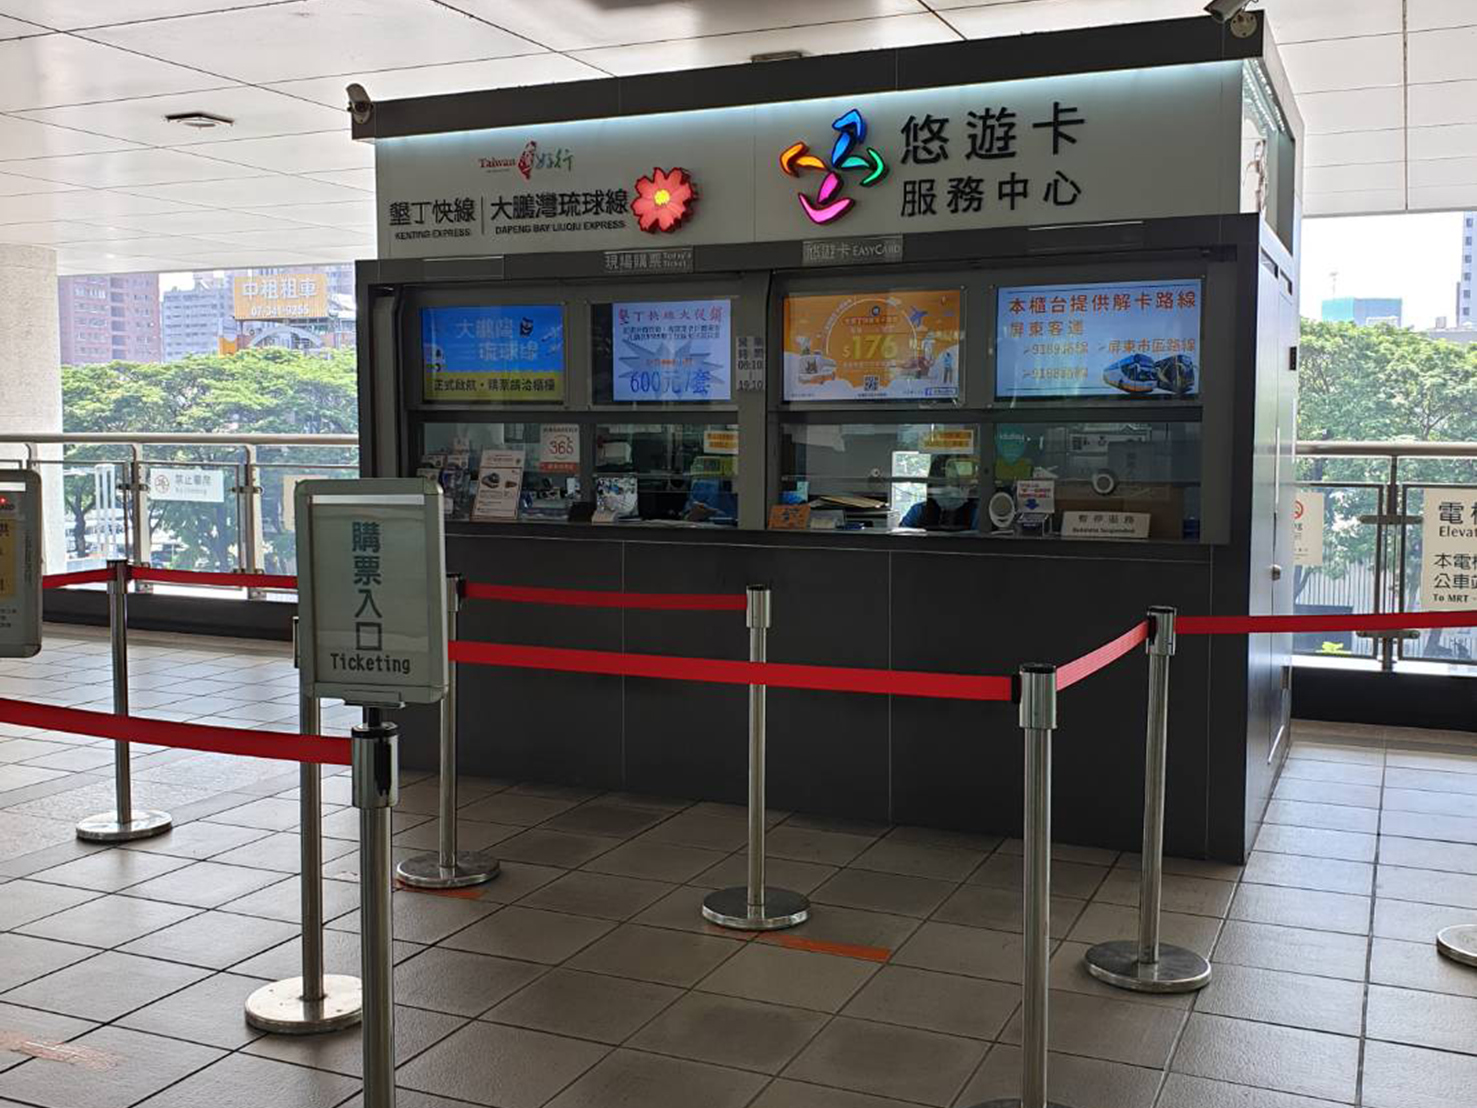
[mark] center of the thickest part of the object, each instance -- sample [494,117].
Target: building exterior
[196,320]
[1363,311]
[1464,317]
[109,318]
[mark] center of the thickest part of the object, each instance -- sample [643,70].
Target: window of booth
[493,354]
[492,471]
[1145,475]
[882,476]
[667,472]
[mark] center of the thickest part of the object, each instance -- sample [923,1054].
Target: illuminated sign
[664,200]
[828,205]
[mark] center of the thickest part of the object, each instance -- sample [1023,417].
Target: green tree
[1379,384]
[255,391]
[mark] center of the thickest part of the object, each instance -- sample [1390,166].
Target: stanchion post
[1038,721]
[376,781]
[1147,965]
[447,867]
[756,905]
[316,1001]
[123,823]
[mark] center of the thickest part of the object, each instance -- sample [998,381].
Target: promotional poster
[873,346]
[496,353]
[672,350]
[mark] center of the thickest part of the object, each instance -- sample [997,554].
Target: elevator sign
[20,563]
[371,590]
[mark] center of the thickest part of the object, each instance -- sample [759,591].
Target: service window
[503,471]
[667,473]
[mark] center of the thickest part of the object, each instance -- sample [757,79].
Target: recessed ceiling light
[201,121]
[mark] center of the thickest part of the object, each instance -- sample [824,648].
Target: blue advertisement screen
[501,352]
[1128,339]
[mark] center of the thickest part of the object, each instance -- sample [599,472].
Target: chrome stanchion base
[105,827]
[1177,971]
[1459,943]
[425,871]
[730,908]
[280,1007]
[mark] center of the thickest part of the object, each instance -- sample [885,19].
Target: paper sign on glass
[673,350]
[499,481]
[873,346]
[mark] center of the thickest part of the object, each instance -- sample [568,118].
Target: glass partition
[667,472]
[504,470]
[882,476]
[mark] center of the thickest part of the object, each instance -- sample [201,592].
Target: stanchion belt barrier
[176,576]
[81,577]
[949,686]
[320,749]
[593,598]
[1383,621]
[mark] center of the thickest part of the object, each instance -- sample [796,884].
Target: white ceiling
[1387,88]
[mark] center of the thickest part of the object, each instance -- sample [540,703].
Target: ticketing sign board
[20,563]
[371,590]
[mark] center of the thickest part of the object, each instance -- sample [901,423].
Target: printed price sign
[559,448]
[873,346]
[372,590]
[673,350]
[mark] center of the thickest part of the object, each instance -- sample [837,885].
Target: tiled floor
[584,978]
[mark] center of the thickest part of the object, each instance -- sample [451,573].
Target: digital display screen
[494,353]
[672,350]
[1122,339]
[873,346]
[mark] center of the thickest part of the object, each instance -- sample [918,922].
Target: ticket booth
[971,352]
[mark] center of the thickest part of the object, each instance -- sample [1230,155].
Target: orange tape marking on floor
[821,946]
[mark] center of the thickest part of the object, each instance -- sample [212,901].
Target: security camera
[1223,11]
[361,107]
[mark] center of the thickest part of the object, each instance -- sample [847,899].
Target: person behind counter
[948,505]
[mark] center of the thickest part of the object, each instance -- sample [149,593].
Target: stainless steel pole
[756,906]
[143,554]
[376,791]
[313,1002]
[448,868]
[1149,966]
[123,823]
[1038,721]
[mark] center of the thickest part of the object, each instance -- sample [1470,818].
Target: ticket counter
[970,373]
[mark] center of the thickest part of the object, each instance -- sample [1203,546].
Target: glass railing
[1387,527]
[215,503]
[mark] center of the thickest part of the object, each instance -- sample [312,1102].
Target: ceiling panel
[11,185]
[16,28]
[128,169]
[1424,15]
[1354,147]
[51,70]
[319,152]
[361,179]
[47,233]
[1354,203]
[436,80]
[84,205]
[1443,197]
[833,38]
[354,213]
[296,238]
[268,190]
[24,138]
[587,24]
[1449,55]
[1354,178]
[1363,109]
[1345,63]
[1436,172]
[1436,105]
[208,222]
[985,20]
[309,38]
[257,113]
[1302,20]
[66,15]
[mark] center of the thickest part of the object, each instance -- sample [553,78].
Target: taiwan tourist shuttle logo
[530,159]
[664,201]
[848,154]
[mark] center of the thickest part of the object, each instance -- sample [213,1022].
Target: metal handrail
[182,438]
[1335,448]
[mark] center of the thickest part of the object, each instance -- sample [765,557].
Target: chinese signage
[281,296]
[372,578]
[206,486]
[1449,550]
[948,440]
[1307,529]
[677,259]
[873,346]
[1105,525]
[499,483]
[673,350]
[497,352]
[20,564]
[1121,144]
[868,250]
[1118,339]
